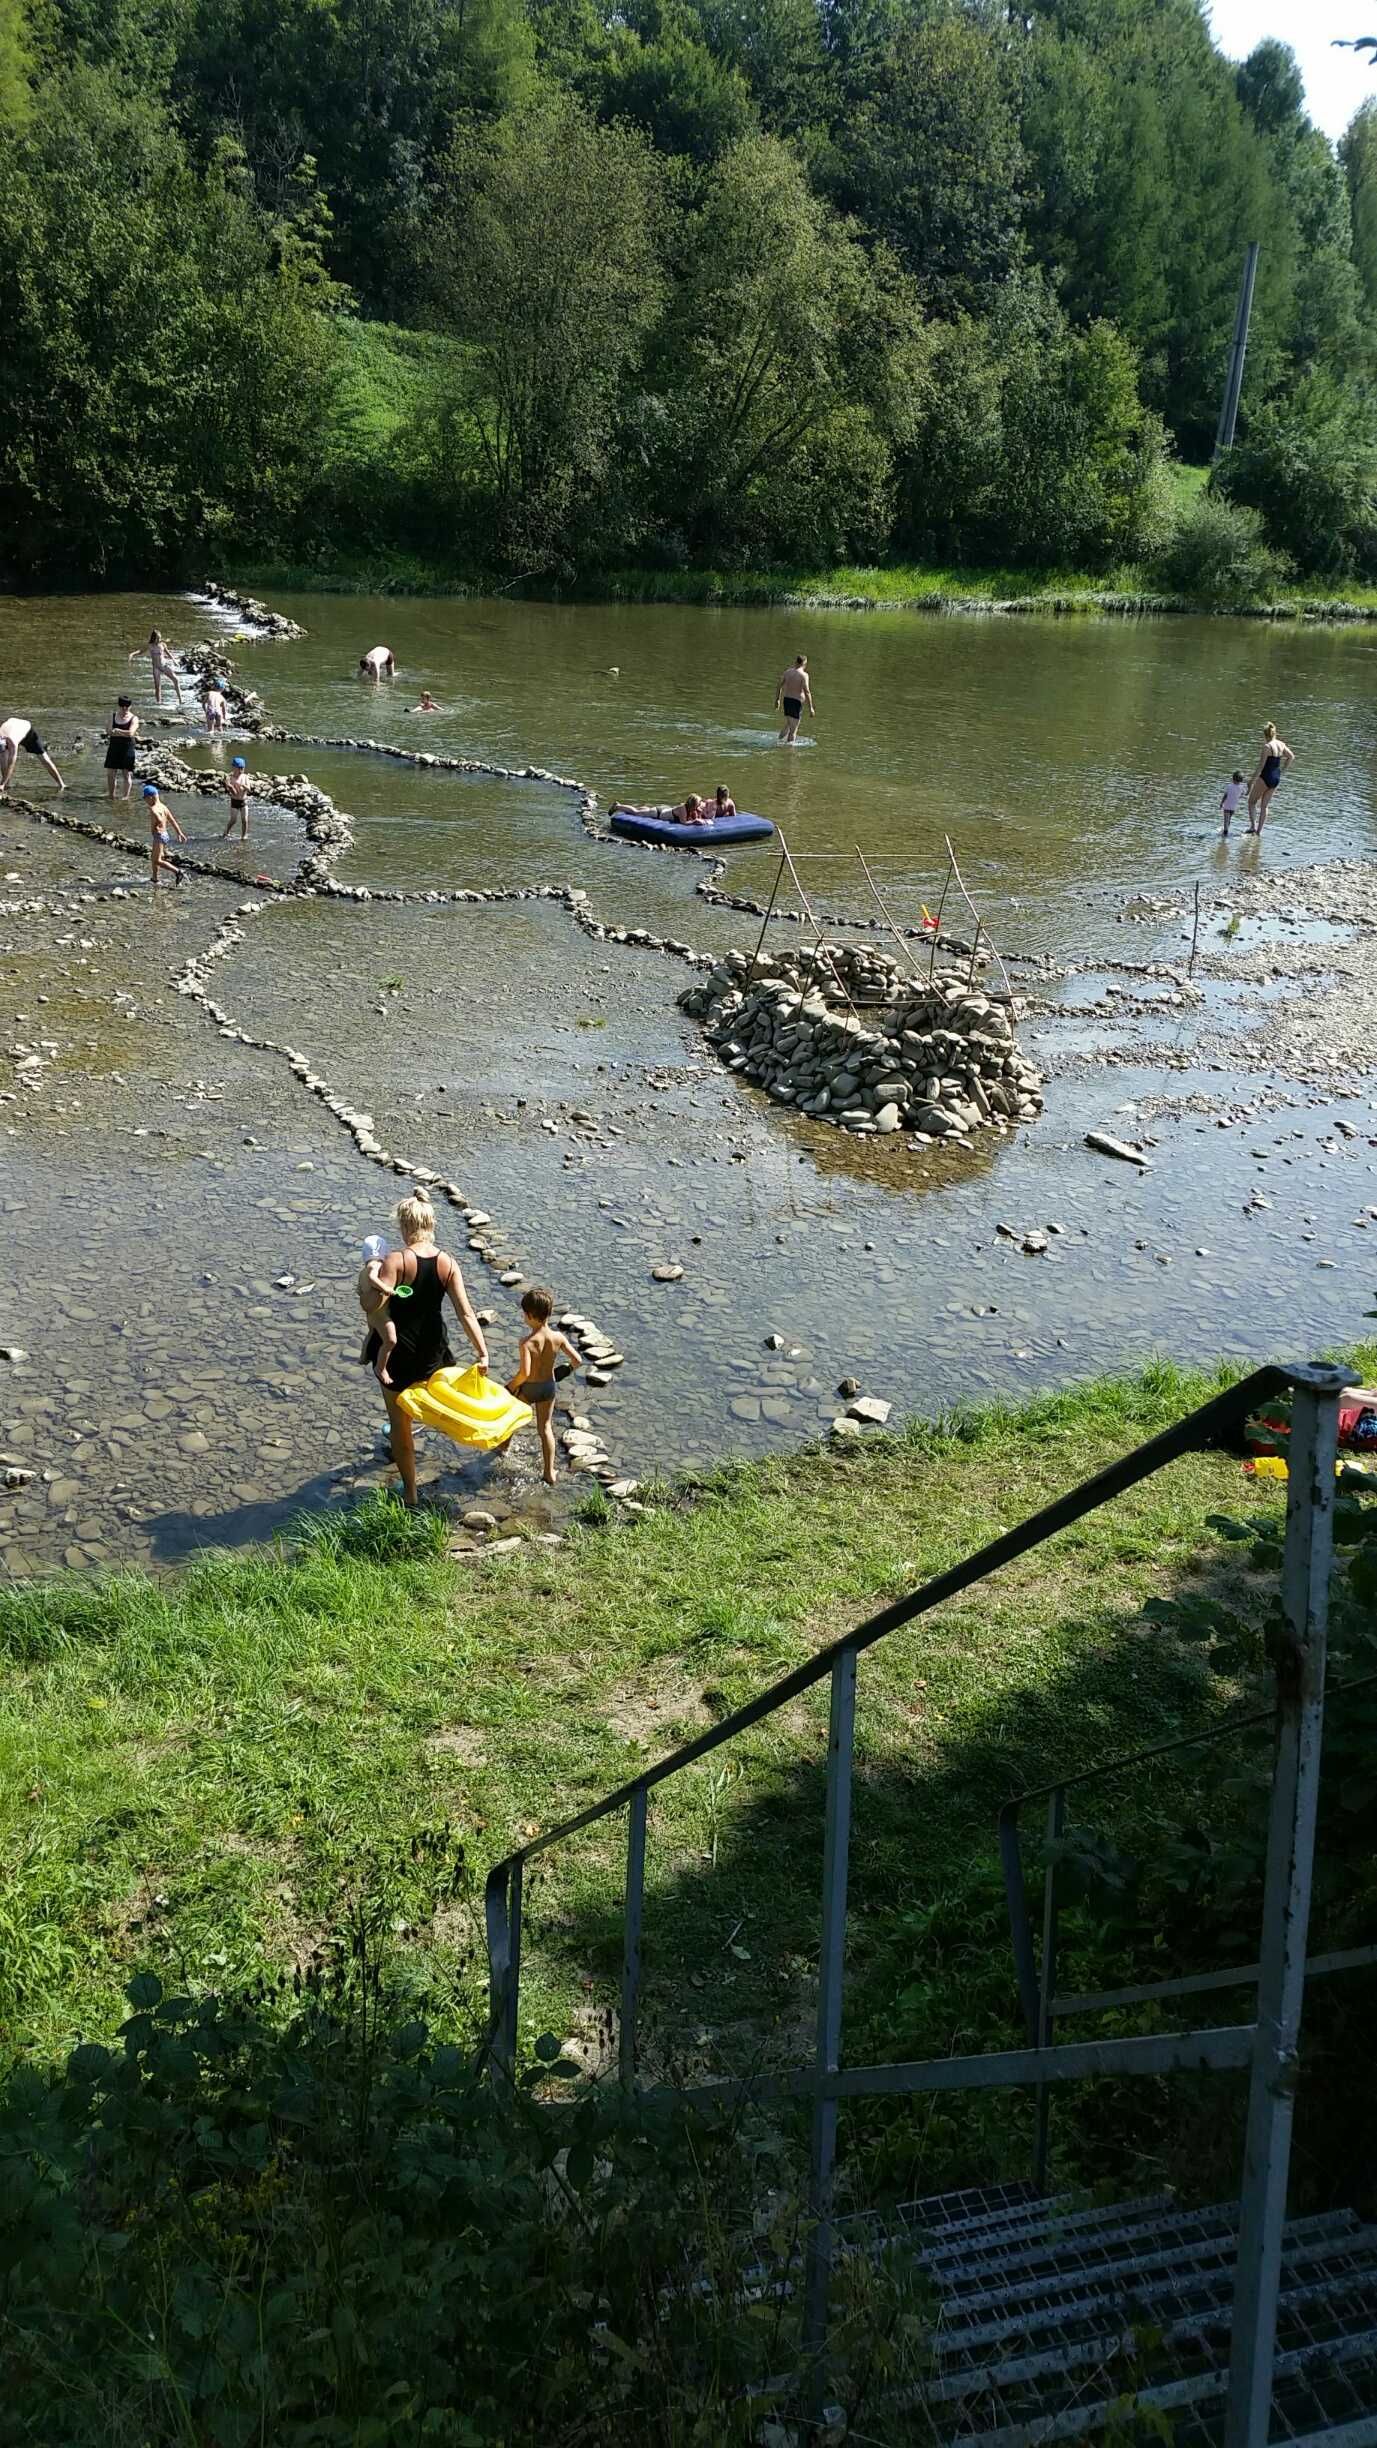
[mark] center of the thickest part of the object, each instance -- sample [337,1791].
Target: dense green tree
[1358,155]
[930,157]
[785,364]
[545,263]
[1033,443]
[169,355]
[1308,463]
[666,80]
[16,64]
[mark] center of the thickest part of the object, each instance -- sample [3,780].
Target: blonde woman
[417,1280]
[163,663]
[1272,764]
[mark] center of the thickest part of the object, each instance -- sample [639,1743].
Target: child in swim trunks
[237,784]
[1232,801]
[162,824]
[373,1301]
[546,1355]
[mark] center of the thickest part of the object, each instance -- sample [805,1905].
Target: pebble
[666,1273]
[871,1409]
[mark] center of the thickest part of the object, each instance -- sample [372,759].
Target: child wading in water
[161,822]
[546,1355]
[1231,801]
[237,784]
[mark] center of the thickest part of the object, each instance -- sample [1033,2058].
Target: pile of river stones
[844,1034]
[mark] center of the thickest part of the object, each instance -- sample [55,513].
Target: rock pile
[935,1058]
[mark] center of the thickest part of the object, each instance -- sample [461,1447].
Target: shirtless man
[159,654]
[19,733]
[792,695]
[379,663]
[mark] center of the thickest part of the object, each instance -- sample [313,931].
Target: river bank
[902,587]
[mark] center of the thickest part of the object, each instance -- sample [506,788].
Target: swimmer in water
[690,811]
[379,663]
[426,706]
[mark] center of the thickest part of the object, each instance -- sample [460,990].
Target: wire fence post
[764,926]
[1300,1665]
[827,2051]
[502,1913]
[631,1937]
[1047,1984]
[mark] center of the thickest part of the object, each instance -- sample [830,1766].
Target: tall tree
[546,264]
[1358,154]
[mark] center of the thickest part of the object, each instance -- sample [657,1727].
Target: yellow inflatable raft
[466,1405]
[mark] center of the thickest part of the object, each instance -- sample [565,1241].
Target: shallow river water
[157,1180]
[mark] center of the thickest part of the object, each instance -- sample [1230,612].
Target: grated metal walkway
[1049,2321]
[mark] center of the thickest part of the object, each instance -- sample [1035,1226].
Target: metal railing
[1037,1971]
[1265,2045]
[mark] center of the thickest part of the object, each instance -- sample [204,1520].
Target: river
[161,1182]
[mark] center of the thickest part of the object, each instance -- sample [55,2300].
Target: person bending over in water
[1272,764]
[379,663]
[237,784]
[426,1277]
[161,822]
[213,705]
[546,1354]
[159,654]
[18,732]
[689,811]
[426,706]
[791,696]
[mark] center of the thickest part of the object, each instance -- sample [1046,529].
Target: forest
[540,288]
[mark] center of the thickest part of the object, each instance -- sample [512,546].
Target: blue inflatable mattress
[717,835]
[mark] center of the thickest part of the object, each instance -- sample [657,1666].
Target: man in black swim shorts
[18,732]
[791,696]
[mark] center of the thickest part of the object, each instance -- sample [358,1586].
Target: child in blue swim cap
[237,784]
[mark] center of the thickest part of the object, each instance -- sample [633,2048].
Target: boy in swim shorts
[1232,801]
[373,1301]
[213,705]
[161,825]
[546,1355]
[237,784]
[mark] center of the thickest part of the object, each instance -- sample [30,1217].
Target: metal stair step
[1146,2274]
[1190,2234]
[1204,2292]
[1347,2309]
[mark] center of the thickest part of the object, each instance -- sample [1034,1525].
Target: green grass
[196,1771]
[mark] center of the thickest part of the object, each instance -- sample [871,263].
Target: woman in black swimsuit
[419,1278]
[121,733]
[1272,764]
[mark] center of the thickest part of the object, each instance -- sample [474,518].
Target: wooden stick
[884,912]
[974,911]
[941,905]
[1195,930]
[820,946]
[769,913]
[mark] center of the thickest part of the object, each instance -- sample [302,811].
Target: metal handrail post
[827,2052]
[502,1912]
[1047,1984]
[631,1937]
[1299,1668]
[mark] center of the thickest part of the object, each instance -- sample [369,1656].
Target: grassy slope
[194,1769]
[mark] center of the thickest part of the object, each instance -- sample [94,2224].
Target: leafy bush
[1219,556]
[1308,465]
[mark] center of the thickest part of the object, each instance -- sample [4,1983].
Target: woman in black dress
[419,1279]
[121,733]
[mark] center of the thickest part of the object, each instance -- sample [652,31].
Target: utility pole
[1228,410]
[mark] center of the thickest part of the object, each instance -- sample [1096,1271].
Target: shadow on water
[177,1533]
